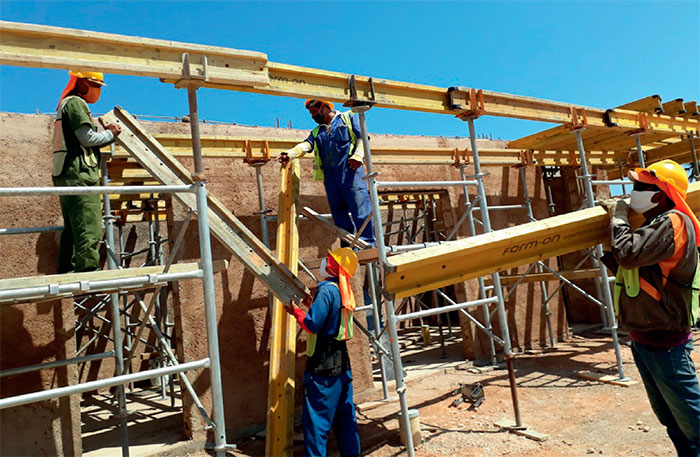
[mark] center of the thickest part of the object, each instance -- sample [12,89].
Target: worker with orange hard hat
[656,294]
[76,159]
[338,158]
[328,398]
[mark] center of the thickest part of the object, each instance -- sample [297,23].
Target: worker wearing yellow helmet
[76,158]
[656,294]
[328,398]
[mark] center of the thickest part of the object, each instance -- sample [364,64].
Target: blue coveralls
[328,399]
[345,189]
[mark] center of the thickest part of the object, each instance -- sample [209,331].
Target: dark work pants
[672,387]
[82,232]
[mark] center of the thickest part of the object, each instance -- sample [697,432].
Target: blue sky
[592,53]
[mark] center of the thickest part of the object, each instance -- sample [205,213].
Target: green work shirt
[74,164]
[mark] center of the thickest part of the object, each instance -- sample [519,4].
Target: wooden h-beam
[280,397]
[452,262]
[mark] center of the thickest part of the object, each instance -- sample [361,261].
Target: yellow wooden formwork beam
[31,45]
[452,262]
[691,109]
[236,147]
[247,71]
[650,104]
[280,397]
[674,107]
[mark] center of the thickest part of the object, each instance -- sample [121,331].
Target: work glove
[616,208]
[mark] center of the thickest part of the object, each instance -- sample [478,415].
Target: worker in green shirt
[76,162]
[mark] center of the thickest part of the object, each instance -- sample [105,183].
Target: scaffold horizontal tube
[81,190]
[26,230]
[87,286]
[612,182]
[34,397]
[55,364]
[424,183]
[445,309]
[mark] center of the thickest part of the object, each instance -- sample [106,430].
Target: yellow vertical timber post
[280,397]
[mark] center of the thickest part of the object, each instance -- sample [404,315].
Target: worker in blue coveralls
[328,399]
[338,162]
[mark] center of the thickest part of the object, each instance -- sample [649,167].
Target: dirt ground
[580,417]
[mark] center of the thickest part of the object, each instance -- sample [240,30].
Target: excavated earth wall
[242,301]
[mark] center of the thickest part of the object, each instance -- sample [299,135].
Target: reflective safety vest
[344,333]
[60,150]
[632,283]
[318,164]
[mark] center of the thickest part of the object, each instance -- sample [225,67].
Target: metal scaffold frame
[204,272]
[247,71]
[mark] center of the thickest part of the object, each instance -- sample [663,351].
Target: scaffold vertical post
[538,267]
[389,304]
[482,286]
[114,311]
[495,277]
[208,278]
[604,279]
[640,152]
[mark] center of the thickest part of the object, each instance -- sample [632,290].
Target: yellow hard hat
[313,100]
[92,76]
[671,172]
[346,258]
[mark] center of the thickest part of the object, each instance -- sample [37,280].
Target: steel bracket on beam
[469,100]
[354,101]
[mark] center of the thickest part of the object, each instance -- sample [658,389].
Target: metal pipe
[640,151]
[424,183]
[34,397]
[482,289]
[543,285]
[610,182]
[21,231]
[371,285]
[114,311]
[513,390]
[486,221]
[445,309]
[389,304]
[83,190]
[171,356]
[55,364]
[605,283]
[500,207]
[88,286]
[208,279]
[695,164]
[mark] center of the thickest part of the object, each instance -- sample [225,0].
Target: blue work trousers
[672,387]
[328,406]
[347,193]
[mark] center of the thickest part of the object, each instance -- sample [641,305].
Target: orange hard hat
[311,101]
